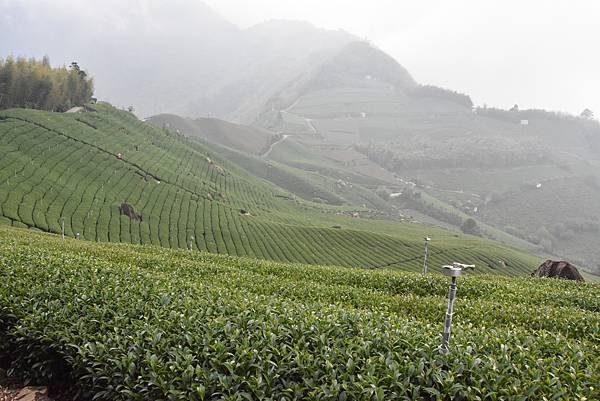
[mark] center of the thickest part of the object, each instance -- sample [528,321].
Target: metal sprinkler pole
[448,322]
[453,271]
[426,258]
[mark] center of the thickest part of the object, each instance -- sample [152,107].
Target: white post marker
[62,228]
[426,258]
[191,242]
[453,271]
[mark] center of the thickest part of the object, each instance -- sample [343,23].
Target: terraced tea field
[123,322]
[489,154]
[110,177]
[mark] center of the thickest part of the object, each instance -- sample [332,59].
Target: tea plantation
[125,322]
[112,178]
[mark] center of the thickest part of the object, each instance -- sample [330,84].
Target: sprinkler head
[456,269]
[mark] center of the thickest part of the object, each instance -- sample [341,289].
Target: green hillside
[167,190]
[123,322]
[481,161]
[235,136]
[278,160]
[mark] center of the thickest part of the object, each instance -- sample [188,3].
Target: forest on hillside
[34,84]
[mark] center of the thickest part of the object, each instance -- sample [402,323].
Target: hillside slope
[235,136]
[114,178]
[529,173]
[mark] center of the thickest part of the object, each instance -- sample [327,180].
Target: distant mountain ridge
[183,59]
[189,61]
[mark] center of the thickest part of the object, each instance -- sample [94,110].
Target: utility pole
[454,271]
[426,258]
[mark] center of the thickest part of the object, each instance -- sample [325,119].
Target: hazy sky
[536,53]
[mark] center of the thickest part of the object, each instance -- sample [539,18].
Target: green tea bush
[143,323]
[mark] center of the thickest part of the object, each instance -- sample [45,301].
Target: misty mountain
[180,58]
[271,56]
[147,58]
[357,65]
[530,173]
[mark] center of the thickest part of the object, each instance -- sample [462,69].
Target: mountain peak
[364,60]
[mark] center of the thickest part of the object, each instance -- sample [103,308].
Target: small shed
[558,269]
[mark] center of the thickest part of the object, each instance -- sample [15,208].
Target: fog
[527,52]
[500,53]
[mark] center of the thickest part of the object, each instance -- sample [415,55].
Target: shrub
[471,227]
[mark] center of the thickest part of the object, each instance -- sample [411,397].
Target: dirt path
[311,125]
[268,152]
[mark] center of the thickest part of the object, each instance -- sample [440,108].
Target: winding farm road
[311,125]
[268,152]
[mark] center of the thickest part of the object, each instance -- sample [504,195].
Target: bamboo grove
[34,84]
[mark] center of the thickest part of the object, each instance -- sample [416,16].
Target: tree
[587,114]
[470,226]
[35,84]
[515,108]
[75,66]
